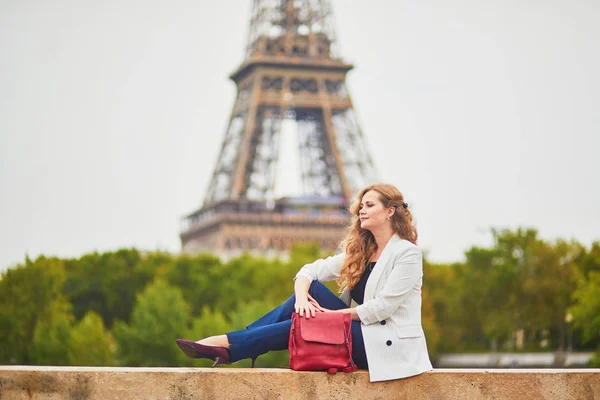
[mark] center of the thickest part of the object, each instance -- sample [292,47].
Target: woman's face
[372,213]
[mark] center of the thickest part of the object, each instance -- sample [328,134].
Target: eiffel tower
[292,74]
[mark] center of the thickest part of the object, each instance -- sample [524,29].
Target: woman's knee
[325,297]
[316,286]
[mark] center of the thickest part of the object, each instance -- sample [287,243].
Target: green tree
[200,279]
[548,284]
[160,315]
[589,261]
[209,323]
[586,310]
[239,283]
[442,317]
[50,344]
[429,323]
[104,283]
[507,303]
[29,294]
[153,265]
[90,344]
[476,293]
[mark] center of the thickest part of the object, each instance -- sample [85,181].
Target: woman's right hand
[304,307]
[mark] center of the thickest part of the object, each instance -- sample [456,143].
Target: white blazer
[391,313]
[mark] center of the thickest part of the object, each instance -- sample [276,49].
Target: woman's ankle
[218,341]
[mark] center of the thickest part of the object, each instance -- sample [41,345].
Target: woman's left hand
[317,305]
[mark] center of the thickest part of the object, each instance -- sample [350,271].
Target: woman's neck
[382,237]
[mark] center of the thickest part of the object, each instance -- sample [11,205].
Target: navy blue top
[358,292]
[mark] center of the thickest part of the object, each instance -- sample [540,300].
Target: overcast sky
[484,113]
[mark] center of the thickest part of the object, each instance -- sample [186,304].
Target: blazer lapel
[382,263]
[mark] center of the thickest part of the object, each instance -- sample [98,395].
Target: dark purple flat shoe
[220,355]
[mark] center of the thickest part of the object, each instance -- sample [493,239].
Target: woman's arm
[351,311]
[304,303]
[323,270]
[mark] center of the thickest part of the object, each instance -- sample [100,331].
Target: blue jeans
[271,331]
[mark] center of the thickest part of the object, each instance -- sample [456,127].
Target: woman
[380,271]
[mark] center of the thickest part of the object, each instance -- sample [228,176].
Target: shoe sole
[192,352]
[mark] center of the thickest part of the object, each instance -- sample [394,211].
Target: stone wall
[78,383]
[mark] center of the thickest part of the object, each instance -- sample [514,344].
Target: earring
[388,217]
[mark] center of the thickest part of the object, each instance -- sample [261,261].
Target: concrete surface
[78,383]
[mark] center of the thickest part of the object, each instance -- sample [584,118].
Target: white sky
[484,113]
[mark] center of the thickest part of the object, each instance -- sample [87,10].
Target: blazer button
[389,342]
[382,322]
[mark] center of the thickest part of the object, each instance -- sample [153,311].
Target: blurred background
[112,117]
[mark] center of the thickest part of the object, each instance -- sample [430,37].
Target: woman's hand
[316,304]
[305,306]
[310,307]
[323,309]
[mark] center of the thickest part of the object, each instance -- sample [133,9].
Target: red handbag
[321,343]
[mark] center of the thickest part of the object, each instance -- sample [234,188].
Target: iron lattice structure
[291,72]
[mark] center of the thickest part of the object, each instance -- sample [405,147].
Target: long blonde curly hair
[360,244]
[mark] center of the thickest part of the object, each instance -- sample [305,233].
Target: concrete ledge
[25,382]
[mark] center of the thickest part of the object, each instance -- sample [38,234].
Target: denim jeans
[271,331]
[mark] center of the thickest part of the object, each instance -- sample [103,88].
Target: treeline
[126,308]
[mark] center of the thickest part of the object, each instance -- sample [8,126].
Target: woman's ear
[391,211]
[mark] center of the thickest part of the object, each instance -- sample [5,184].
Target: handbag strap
[352,366]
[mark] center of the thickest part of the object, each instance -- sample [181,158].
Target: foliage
[199,279]
[127,308]
[430,326]
[51,341]
[160,315]
[441,312]
[595,361]
[29,294]
[586,310]
[520,287]
[90,343]
[105,283]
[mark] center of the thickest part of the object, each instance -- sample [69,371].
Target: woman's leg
[325,297]
[271,332]
[250,343]
[283,312]
[358,346]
